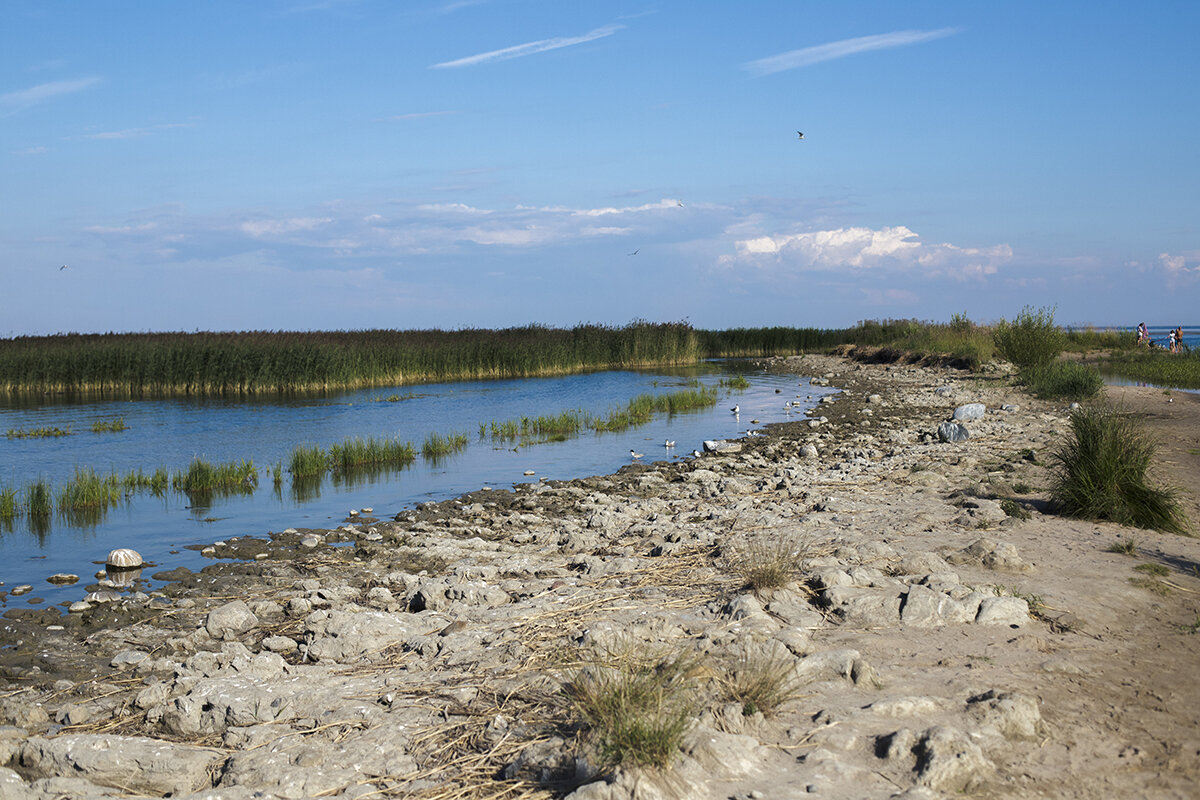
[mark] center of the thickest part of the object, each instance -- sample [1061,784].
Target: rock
[991,554]
[970,411]
[12,787]
[22,713]
[948,761]
[123,558]
[63,579]
[1003,611]
[131,763]
[809,451]
[953,432]
[230,620]
[344,637]
[722,446]
[874,398]
[1013,715]
[864,607]
[128,658]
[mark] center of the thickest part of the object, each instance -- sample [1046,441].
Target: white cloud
[894,249]
[278,227]
[15,101]
[840,49]
[529,48]
[1177,265]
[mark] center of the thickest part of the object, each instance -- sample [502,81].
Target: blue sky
[321,164]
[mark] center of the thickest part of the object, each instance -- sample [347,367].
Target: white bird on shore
[696,454]
[635,455]
[669,443]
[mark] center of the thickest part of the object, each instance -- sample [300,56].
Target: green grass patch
[1031,341]
[8,502]
[1157,570]
[1151,585]
[1020,487]
[109,425]
[1126,547]
[736,382]
[38,500]
[1100,472]
[87,489]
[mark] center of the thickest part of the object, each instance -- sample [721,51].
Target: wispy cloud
[137,133]
[846,47]
[529,48]
[15,101]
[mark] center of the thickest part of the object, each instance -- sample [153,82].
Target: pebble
[63,578]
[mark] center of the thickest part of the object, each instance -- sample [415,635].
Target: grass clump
[8,502]
[437,446]
[109,425]
[637,706]
[762,681]
[1061,380]
[736,382]
[203,476]
[360,451]
[767,562]
[1031,341]
[1157,570]
[1126,548]
[1100,473]
[308,461]
[90,490]
[38,501]
[1020,487]
[1014,509]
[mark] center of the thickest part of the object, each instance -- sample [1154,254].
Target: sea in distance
[169,530]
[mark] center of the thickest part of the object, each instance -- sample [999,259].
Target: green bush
[1059,380]
[1100,473]
[1030,341]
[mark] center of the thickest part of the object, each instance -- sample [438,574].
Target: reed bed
[109,425]
[204,477]
[37,433]
[307,461]
[38,500]
[641,408]
[150,364]
[8,502]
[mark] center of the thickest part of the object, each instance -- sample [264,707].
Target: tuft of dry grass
[769,560]
[762,680]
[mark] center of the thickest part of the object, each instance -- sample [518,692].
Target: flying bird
[801,135]
[635,252]
[64,266]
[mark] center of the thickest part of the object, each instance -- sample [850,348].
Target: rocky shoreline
[944,634]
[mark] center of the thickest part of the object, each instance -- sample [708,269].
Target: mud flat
[943,635]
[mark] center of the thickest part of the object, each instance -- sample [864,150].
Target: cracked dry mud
[946,634]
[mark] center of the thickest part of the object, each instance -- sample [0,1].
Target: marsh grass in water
[1100,472]
[1063,380]
[8,502]
[87,489]
[203,477]
[362,451]
[736,382]
[109,425]
[438,446]
[308,461]
[637,705]
[37,433]
[1160,367]
[38,499]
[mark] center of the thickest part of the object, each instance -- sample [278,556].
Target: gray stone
[948,761]
[970,411]
[132,763]
[128,658]
[1012,714]
[344,637]
[953,432]
[721,446]
[11,786]
[230,620]
[809,451]
[867,608]
[1002,611]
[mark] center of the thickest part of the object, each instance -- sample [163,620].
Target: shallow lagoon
[170,432]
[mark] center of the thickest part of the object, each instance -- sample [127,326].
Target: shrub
[1031,340]
[1059,380]
[637,706]
[1100,473]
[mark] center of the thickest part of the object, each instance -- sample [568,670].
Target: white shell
[124,558]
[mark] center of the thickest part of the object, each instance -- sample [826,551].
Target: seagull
[633,454]
[669,443]
[736,409]
[696,454]
[679,203]
[801,135]
[64,266]
[635,252]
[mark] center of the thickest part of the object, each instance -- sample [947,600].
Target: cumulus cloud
[893,249]
[529,48]
[276,227]
[827,52]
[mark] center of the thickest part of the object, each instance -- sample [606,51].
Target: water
[169,433]
[1158,333]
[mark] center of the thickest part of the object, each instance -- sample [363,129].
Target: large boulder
[132,763]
